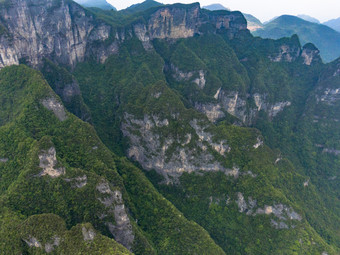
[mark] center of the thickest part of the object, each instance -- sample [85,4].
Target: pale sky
[264,10]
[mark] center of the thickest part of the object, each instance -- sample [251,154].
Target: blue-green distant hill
[308,18]
[141,7]
[325,38]
[333,23]
[102,4]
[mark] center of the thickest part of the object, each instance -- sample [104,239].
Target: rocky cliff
[60,30]
[183,21]
[66,33]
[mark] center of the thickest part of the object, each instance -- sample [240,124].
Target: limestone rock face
[67,34]
[183,159]
[286,53]
[177,21]
[121,228]
[310,54]
[237,105]
[284,216]
[56,107]
[48,162]
[58,30]
[174,23]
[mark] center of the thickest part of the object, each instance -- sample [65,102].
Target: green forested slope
[71,187]
[202,197]
[324,37]
[219,143]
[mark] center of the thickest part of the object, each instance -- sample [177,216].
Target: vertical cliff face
[233,22]
[59,30]
[310,54]
[170,22]
[183,21]
[65,33]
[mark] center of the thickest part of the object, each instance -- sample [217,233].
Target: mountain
[102,4]
[141,7]
[165,131]
[308,18]
[215,7]
[324,38]
[334,23]
[252,22]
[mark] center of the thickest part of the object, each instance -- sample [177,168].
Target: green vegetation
[326,39]
[66,185]
[33,129]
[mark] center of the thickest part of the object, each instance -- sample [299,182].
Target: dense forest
[163,129]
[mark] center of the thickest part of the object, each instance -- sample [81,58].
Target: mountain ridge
[325,38]
[102,4]
[334,23]
[170,131]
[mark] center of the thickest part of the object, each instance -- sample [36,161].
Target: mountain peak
[308,18]
[333,23]
[102,4]
[323,37]
[215,7]
[141,6]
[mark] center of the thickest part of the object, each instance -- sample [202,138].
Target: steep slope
[73,33]
[76,35]
[56,164]
[252,22]
[194,102]
[319,129]
[324,38]
[334,23]
[153,118]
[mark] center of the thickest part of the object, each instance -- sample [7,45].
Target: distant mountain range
[167,131]
[141,7]
[102,4]
[308,18]
[215,7]
[325,38]
[252,22]
[333,23]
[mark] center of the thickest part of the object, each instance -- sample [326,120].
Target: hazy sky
[263,9]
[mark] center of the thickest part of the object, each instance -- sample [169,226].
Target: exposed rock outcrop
[67,34]
[286,53]
[331,151]
[56,107]
[32,242]
[178,21]
[77,182]
[214,112]
[49,246]
[283,214]
[234,104]
[3,160]
[329,96]
[121,228]
[88,234]
[59,30]
[67,88]
[237,105]
[175,154]
[49,163]
[277,107]
[310,54]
